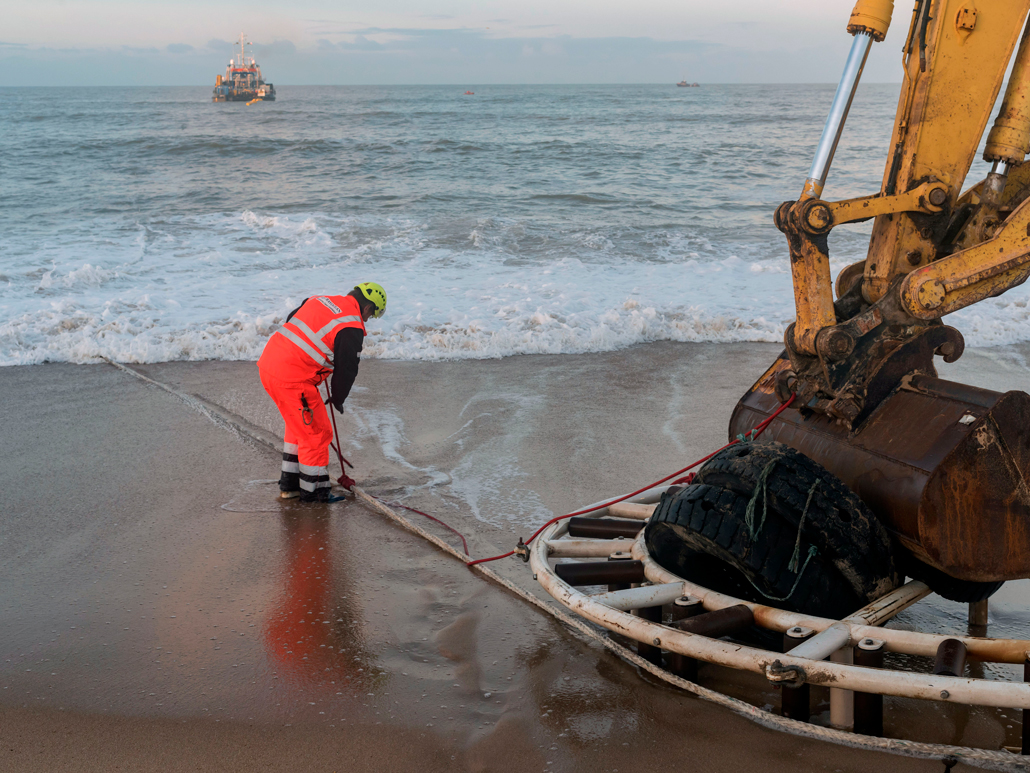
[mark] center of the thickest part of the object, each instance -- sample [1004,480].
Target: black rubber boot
[322,494]
[289,485]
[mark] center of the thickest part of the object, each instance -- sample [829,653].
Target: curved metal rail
[807,662]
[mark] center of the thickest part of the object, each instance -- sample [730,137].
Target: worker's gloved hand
[346,481]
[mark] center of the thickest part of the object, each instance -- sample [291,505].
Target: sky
[461,42]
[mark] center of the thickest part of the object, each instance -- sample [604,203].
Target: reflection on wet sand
[316,640]
[583,710]
[446,672]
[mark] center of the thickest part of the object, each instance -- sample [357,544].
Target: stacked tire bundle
[765,523]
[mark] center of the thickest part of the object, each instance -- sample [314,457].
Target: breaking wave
[216,286]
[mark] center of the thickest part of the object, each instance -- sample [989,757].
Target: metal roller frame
[807,663]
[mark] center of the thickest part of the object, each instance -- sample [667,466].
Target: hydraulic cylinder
[872,17]
[869,21]
[838,114]
[1009,138]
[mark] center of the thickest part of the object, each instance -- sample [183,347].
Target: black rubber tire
[700,533]
[838,523]
[947,586]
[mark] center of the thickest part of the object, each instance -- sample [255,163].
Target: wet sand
[161,610]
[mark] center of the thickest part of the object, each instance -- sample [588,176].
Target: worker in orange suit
[321,337]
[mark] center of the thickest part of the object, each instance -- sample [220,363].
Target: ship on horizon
[242,81]
[684,83]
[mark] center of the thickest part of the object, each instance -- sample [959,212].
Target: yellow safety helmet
[376,294]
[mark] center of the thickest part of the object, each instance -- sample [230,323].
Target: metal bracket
[788,676]
[963,278]
[522,551]
[818,217]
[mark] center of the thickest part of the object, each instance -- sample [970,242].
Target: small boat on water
[689,85]
[242,81]
[469,93]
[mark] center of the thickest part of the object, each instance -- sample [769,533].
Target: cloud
[361,43]
[274,49]
[409,55]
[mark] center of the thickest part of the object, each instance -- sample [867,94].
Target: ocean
[152,225]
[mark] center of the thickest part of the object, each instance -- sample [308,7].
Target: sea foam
[217,286]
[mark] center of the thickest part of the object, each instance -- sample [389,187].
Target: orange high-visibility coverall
[297,358]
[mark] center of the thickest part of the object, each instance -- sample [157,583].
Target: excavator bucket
[944,466]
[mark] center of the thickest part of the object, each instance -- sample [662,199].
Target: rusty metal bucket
[945,466]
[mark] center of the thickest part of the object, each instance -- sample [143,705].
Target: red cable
[336,434]
[758,430]
[431,518]
[336,447]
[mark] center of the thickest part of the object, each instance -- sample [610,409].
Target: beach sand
[162,610]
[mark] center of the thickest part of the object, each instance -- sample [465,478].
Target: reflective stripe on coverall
[308,431]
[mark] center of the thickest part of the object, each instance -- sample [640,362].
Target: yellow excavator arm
[933,250]
[955,61]
[944,466]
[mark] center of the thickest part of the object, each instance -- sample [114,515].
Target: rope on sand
[982,758]
[217,415]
